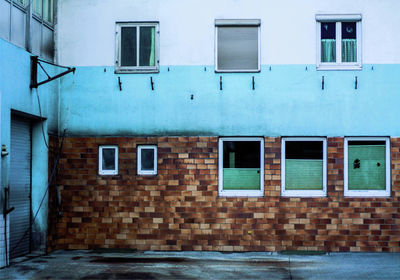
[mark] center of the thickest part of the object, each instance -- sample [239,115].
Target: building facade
[228,126]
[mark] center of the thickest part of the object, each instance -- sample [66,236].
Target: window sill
[370,193]
[304,193]
[135,71]
[241,193]
[238,71]
[339,67]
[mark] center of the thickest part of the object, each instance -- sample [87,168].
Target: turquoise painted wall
[287,100]
[16,95]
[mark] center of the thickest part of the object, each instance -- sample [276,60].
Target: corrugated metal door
[20,186]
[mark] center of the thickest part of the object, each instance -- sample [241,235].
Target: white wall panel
[4,20]
[18,24]
[86,29]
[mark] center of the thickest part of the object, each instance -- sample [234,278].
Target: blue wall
[16,95]
[287,100]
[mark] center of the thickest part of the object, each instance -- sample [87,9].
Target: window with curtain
[137,47]
[304,166]
[367,166]
[241,166]
[339,41]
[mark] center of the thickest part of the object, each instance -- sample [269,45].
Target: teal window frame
[387,165]
[338,19]
[251,192]
[103,171]
[119,68]
[304,192]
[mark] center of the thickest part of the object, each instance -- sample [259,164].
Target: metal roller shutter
[20,186]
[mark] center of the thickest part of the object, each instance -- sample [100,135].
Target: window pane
[37,7]
[48,10]
[128,46]
[366,165]
[241,163]
[147,157]
[147,46]
[304,165]
[349,42]
[328,42]
[237,48]
[108,159]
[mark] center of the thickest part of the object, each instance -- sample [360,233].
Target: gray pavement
[106,264]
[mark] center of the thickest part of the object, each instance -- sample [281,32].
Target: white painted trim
[367,193]
[136,69]
[304,193]
[108,172]
[338,65]
[245,193]
[139,160]
[238,23]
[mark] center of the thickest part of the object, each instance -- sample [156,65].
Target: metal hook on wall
[120,83]
[152,83]
[220,82]
[355,83]
[323,83]
[253,83]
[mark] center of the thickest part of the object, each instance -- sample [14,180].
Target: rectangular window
[339,42]
[43,7]
[147,160]
[241,166]
[237,45]
[367,166]
[137,47]
[108,160]
[304,166]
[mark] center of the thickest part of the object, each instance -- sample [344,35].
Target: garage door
[20,186]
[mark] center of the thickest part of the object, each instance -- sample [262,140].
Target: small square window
[241,166]
[137,47]
[303,166]
[367,166]
[237,46]
[339,42]
[108,160]
[147,160]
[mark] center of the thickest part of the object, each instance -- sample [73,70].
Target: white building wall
[86,29]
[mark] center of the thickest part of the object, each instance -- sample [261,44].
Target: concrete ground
[203,265]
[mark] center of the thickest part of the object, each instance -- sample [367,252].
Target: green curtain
[328,50]
[349,50]
[152,60]
[303,174]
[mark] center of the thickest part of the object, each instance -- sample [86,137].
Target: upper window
[339,42]
[237,45]
[147,160]
[137,47]
[43,8]
[303,166]
[241,166]
[108,160]
[367,166]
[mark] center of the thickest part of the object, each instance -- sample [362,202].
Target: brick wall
[179,209]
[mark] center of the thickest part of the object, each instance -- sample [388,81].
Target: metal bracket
[355,83]
[120,83]
[152,83]
[220,82]
[35,61]
[253,83]
[323,83]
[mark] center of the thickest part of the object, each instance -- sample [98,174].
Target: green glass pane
[366,167]
[303,174]
[328,50]
[48,10]
[241,178]
[147,46]
[37,7]
[128,46]
[349,50]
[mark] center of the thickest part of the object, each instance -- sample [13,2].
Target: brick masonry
[179,209]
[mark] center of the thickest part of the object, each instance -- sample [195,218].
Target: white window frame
[338,19]
[304,193]
[139,160]
[367,193]
[245,193]
[108,172]
[237,23]
[136,69]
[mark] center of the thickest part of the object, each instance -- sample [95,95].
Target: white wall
[86,29]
